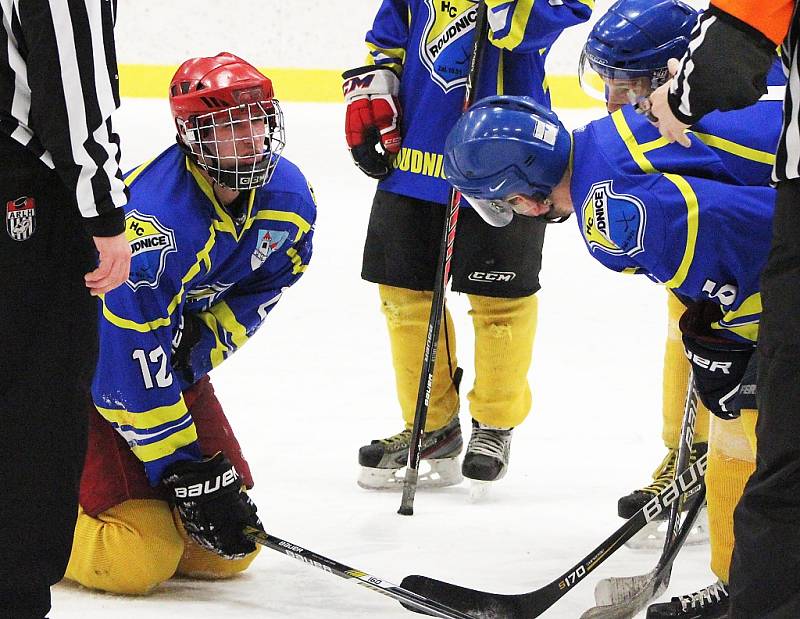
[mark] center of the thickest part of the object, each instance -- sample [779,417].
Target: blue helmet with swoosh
[505,146]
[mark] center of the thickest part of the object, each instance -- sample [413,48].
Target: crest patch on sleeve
[151,242]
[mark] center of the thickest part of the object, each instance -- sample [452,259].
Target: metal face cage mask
[240,146]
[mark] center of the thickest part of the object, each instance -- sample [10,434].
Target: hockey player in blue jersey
[696,220]
[626,56]
[399,109]
[219,225]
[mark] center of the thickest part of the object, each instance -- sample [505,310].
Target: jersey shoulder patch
[151,242]
[613,222]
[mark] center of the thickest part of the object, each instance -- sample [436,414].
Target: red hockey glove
[372,121]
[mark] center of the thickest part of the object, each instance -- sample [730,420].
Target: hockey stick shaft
[684,455]
[408,598]
[627,595]
[637,591]
[440,284]
[534,603]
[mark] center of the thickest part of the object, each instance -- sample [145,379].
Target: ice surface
[316,383]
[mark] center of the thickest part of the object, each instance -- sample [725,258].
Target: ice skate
[486,459]
[383,462]
[709,603]
[651,537]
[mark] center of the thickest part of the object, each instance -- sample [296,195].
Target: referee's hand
[115,264]
[670,127]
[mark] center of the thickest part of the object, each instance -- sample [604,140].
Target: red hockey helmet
[228,119]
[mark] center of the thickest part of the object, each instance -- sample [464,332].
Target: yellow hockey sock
[749,418]
[130,548]
[674,383]
[504,334]
[407,313]
[730,464]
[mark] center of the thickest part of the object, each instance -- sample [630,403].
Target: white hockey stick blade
[615,590]
[623,598]
[651,537]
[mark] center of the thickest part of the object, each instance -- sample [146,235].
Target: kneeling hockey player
[219,225]
[696,220]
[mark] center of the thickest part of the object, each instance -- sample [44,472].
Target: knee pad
[407,313]
[128,549]
[504,335]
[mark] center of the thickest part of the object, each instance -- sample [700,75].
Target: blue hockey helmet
[503,147]
[633,40]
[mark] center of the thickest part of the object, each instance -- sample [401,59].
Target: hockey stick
[625,596]
[637,591]
[442,276]
[404,596]
[528,605]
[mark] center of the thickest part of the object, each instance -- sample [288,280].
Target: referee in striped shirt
[725,68]
[62,194]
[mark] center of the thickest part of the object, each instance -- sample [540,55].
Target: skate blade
[479,490]
[652,536]
[432,474]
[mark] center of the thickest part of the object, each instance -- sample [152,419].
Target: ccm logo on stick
[491,276]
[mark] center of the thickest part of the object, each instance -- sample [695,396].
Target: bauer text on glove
[213,505]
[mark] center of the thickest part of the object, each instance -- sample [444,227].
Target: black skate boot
[652,535]
[709,603]
[383,461]
[486,459]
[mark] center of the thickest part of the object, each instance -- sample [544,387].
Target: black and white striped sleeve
[73,88]
[725,67]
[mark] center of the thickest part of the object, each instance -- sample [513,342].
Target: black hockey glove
[719,364]
[213,505]
[372,119]
[183,341]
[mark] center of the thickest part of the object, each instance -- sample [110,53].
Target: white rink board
[315,383]
[278,33]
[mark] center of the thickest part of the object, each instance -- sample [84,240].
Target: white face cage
[239,146]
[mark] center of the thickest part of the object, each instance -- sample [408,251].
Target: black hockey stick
[642,589]
[620,597]
[528,605]
[404,596]
[442,276]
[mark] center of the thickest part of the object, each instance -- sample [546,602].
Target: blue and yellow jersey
[191,256]
[429,42]
[698,219]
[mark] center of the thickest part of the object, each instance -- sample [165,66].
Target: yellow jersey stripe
[692,216]
[519,23]
[149,419]
[746,331]
[299,267]
[162,449]
[303,226]
[729,146]
[228,321]
[132,176]
[203,257]
[631,144]
[217,354]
